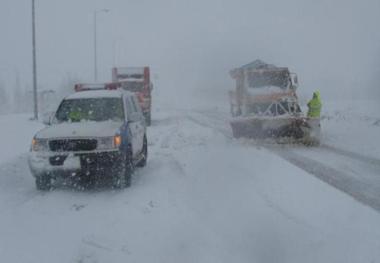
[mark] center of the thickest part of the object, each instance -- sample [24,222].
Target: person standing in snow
[314,106]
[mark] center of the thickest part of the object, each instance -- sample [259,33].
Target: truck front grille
[73,145]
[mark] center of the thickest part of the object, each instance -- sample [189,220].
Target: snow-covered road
[354,173]
[203,197]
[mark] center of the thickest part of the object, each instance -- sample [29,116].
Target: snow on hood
[80,130]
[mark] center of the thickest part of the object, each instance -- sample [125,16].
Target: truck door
[133,126]
[140,123]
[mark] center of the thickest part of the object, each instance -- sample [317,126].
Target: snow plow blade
[279,129]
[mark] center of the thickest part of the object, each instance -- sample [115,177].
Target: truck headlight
[39,145]
[107,143]
[116,140]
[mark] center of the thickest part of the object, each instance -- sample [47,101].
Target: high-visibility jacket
[315,106]
[76,116]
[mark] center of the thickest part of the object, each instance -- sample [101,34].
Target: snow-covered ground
[16,132]
[353,125]
[203,197]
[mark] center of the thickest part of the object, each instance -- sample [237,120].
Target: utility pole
[35,97]
[95,50]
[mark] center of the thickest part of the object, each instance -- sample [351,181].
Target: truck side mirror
[294,80]
[47,118]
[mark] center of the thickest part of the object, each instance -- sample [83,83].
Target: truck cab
[93,135]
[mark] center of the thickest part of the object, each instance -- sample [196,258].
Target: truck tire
[144,154]
[129,169]
[43,182]
[123,176]
[148,118]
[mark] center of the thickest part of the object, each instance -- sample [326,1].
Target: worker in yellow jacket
[315,106]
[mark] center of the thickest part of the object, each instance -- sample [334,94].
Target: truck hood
[80,130]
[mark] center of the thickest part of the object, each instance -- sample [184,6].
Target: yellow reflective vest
[315,106]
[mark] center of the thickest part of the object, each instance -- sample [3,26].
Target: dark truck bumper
[75,164]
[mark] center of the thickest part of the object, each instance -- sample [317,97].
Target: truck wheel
[123,176]
[43,182]
[129,169]
[148,118]
[144,154]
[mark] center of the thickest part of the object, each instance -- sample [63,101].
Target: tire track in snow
[366,192]
[211,115]
[352,155]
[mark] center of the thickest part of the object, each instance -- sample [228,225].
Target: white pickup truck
[94,135]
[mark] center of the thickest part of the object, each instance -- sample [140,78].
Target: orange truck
[136,80]
[265,105]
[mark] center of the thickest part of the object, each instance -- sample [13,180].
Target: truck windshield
[275,78]
[90,109]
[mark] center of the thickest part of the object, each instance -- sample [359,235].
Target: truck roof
[87,94]
[258,67]
[258,64]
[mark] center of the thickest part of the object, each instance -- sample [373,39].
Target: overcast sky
[333,45]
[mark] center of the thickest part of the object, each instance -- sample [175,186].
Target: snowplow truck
[136,80]
[264,105]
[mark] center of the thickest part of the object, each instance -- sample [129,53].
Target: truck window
[135,104]
[130,108]
[91,109]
